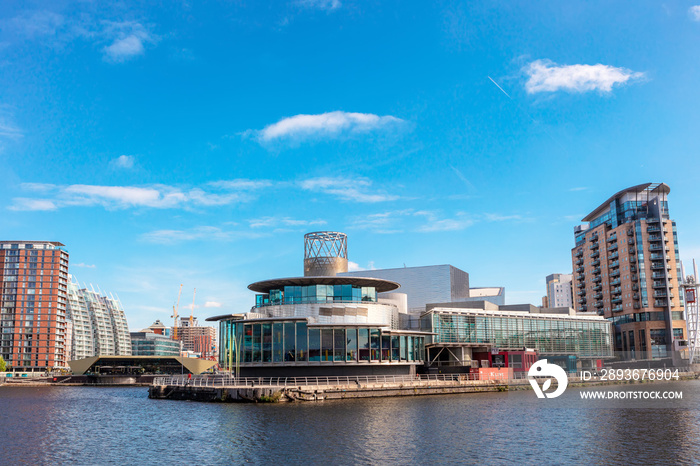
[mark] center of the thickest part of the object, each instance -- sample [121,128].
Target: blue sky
[196,142]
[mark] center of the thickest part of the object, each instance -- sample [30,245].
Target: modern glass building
[626,268]
[460,335]
[153,344]
[320,325]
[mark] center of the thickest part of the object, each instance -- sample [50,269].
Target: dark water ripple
[81,425]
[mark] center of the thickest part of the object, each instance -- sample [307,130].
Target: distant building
[98,322]
[160,328]
[33,324]
[196,339]
[492,294]
[147,343]
[560,290]
[627,268]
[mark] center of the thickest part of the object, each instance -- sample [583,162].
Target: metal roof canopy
[382,286]
[194,365]
[662,188]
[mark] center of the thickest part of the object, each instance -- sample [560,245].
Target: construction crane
[174,316]
[192,310]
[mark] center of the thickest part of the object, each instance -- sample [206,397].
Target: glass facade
[285,342]
[548,335]
[314,294]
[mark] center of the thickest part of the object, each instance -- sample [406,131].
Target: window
[327,344]
[363,344]
[314,344]
[339,344]
[351,350]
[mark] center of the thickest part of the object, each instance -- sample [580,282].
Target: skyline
[198,145]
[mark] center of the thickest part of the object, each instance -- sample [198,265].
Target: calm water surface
[85,425]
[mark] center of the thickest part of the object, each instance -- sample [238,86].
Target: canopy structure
[139,364]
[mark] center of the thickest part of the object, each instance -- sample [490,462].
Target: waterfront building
[200,340]
[33,325]
[627,267]
[98,323]
[148,343]
[463,338]
[560,290]
[324,323]
[133,365]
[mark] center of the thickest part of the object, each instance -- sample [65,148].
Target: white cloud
[176,236]
[212,304]
[274,222]
[347,189]
[328,125]
[122,197]
[241,184]
[123,161]
[128,39]
[23,203]
[354,267]
[501,218]
[83,265]
[327,5]
[694,12]
[580,188]
[546,76]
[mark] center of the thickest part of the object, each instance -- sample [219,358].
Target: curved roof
[266,285]
[659,188]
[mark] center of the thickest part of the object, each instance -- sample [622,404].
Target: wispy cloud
[347,189]
[212,304]
[275,222]
[83,265]
[547,76]
[325,125]
[120,41]
[128,39]
[579,188]
[199,233]
[433,223]
[52,197]
[327,5]
[123,161]
[501,218]
[9,130]
[694,12]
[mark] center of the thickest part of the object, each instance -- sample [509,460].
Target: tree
[3,366]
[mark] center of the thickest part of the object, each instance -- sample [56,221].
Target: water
[86,425]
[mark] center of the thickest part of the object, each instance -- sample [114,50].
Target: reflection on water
[122,426]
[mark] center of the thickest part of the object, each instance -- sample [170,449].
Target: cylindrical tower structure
[325,253]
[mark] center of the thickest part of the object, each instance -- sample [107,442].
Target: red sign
[690,295]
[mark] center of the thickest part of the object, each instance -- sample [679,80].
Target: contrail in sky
[499,87]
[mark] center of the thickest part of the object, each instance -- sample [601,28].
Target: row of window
[278,342]
[317,294]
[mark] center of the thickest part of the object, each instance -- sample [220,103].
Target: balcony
[613,247]
[597,279]
[615,282]
[655,247]
[580,277]
[584,308]
[612,238]
[614,264]
[615,273]
[596,271]
[657,266]
[595,255]
[616,290]
[581,293]
[630,232]
[598,296]
[599,304]
[653,229]
[594,246]
[593,238]
[579,262]
[660,303]
[659,284]
[579,253]
[660,294]
[635,296]
[633,268]
[616,300]
[582,301]
[658,274]
[632,251]
[655,238]
[595,263]
[656,257]
[601,313]
[634,277]
[597,288]
[579,270]
[581,285]
[617,308]
[614,255]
